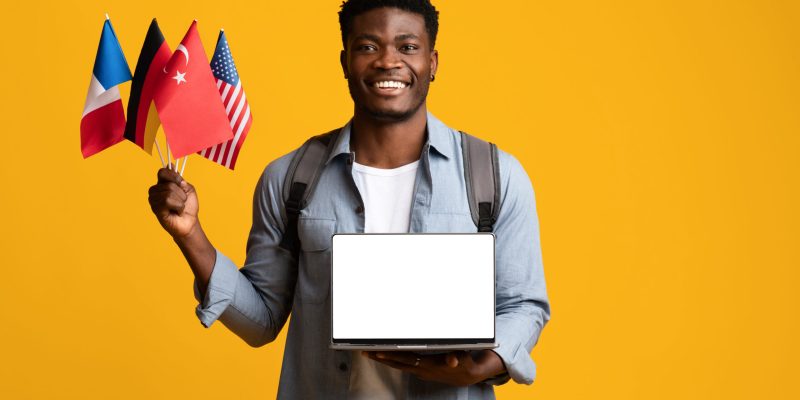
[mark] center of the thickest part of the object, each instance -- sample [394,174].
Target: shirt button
[359,209]
[342,367]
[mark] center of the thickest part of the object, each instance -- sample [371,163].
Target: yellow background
[661,137]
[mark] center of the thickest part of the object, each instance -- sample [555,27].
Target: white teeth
[390,84]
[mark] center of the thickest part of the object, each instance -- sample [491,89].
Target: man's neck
[388,144]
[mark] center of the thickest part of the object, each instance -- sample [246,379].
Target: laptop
[413,291]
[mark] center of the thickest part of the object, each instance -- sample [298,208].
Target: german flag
[143,120]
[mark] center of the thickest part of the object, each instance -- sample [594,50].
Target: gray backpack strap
[301,180]
[482,177]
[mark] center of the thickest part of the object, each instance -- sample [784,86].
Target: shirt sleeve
[522,306]
[254,302]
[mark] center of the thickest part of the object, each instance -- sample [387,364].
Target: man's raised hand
[174,202]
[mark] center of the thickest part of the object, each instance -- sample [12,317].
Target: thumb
[187,188]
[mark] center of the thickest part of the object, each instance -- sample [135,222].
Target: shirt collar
[439,138]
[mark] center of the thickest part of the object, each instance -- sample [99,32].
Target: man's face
[388,63]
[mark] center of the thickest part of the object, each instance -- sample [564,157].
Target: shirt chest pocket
[314,276]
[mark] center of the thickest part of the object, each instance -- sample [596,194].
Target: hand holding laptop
[394,294]
[458,368]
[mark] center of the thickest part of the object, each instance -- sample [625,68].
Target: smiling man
[393,168]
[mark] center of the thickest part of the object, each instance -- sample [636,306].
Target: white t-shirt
[387,195]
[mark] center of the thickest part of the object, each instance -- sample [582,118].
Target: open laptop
[411,291]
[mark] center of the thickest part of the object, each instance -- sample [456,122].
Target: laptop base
[414,347]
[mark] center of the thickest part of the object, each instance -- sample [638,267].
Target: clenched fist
[174,202]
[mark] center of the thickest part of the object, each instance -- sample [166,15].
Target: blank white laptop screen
[405,288]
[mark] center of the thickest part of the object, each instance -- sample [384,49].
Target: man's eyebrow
[367,36]
[405,36]
[374,38]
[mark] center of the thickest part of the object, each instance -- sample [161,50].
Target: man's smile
[388,86]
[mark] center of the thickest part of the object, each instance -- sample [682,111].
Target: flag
[103,119]
[142,117]
[235,102]
[187,99]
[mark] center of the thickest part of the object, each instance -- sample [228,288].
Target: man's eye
[408,48]
[365,47]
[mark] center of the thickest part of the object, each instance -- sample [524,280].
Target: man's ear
[434,62]
[343,61]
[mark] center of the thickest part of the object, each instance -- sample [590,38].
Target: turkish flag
[188,102]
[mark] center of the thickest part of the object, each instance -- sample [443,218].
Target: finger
[157,199]
[168,175]
[403,357]
[166,202]
[484,356]
[154,203]
[451,359]
[465,359]
[164,187]
[174,204]
[177,197]
[427,370]
[179,192]
[397,365]
[157,205]
[168,189]
[187,187]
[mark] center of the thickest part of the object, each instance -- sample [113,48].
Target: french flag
[103,120]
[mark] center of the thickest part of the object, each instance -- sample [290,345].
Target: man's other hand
[174,202]
[458,368]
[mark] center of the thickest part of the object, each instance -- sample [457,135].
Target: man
[394,168]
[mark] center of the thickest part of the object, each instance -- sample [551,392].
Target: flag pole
[160,157]
[184,164]
[169,156]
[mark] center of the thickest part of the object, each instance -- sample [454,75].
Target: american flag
[235,102]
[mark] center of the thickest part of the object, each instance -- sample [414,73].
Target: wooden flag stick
[160,157]
[169,156]
[184,164]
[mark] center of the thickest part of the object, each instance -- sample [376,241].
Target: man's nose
[389,58]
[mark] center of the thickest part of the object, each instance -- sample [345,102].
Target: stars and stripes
[235,102]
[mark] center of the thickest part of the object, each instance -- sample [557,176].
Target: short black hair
[352,8]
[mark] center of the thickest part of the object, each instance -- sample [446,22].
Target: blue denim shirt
[255,301]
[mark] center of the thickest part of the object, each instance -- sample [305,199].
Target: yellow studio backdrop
[661,138]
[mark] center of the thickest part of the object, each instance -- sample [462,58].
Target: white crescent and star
[185,52]
[180,77]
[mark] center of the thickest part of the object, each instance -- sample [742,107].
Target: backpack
[481,174]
